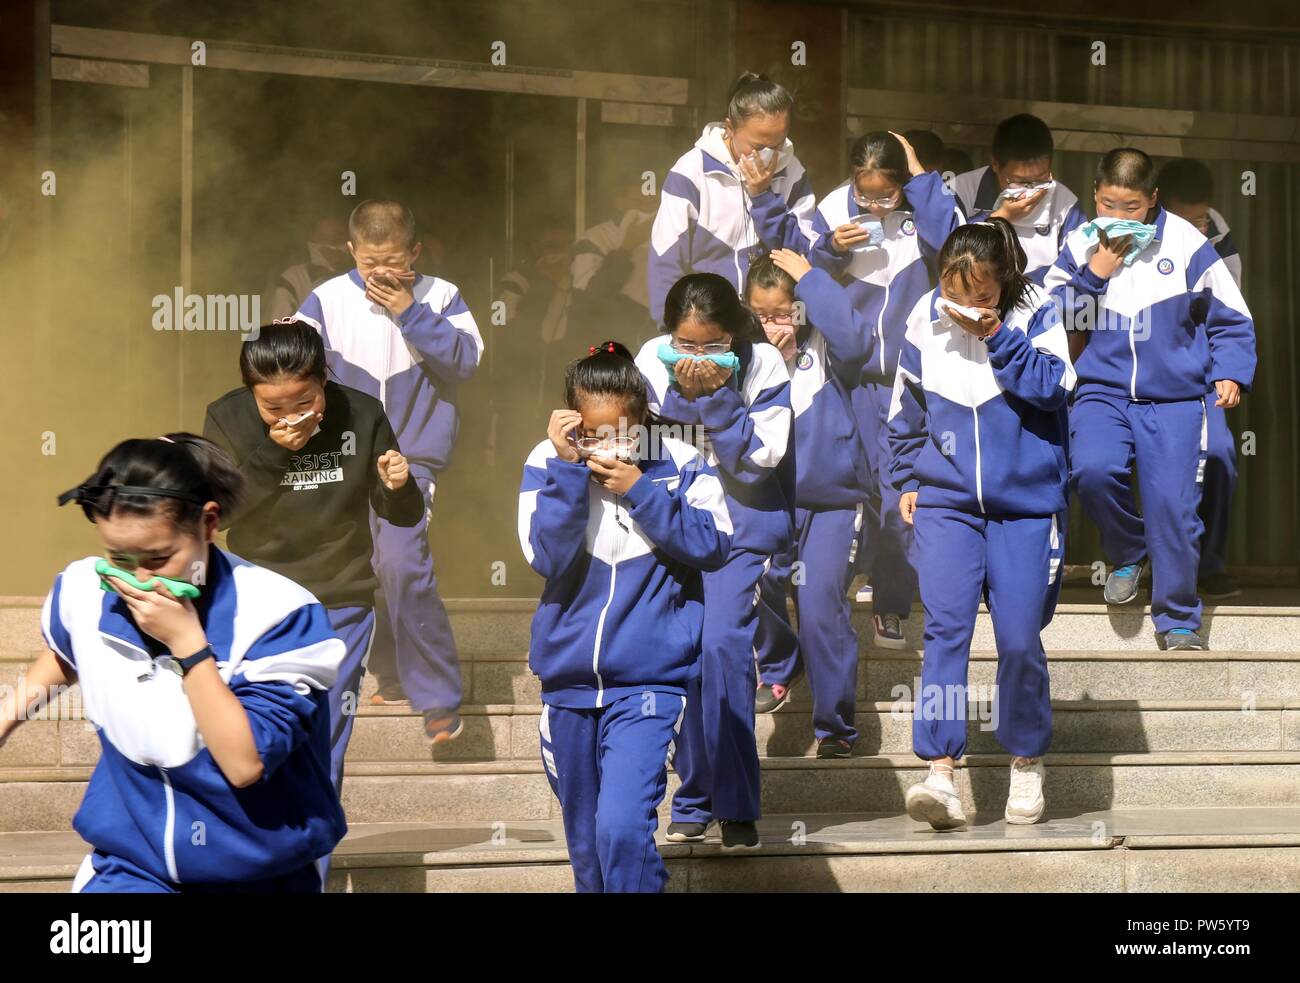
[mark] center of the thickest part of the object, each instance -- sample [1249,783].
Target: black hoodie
[306,513]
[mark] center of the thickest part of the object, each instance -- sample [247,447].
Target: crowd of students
[906,379]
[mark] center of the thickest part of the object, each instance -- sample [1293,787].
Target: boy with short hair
[1018,186]
[410,340]
[1187,188]
[1168,325]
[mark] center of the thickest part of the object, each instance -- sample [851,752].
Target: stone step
[509,732]
[885,675]
[44,799]
[495,627]
[1134,850]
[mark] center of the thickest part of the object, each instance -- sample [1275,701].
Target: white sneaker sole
[1015,819]
[683,838]
[742,848]
[925,805]
[890,643]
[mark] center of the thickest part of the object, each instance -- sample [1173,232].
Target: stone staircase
[1168,771]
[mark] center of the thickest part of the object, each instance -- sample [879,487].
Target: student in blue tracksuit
[739,415]
[1018,186]
[878,234]
[1186,189]
[978,435]
[316,458]
[410,341]
[1164,323]
[737,193]
[212,714]
[824,350]
[620,518]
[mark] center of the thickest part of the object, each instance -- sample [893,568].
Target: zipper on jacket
[1132,347]
[880,321]
[600,622]
[745,225]
[388,357]
[169,841]
[975,414]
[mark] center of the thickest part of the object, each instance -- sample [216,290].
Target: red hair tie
[608,346]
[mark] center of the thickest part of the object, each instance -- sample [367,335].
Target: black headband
[101,497]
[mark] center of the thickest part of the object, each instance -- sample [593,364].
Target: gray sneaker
[1183,640]
[1122,584]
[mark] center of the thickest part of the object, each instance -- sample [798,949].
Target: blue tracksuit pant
[818,572]
[608,766]
[418,630]
[893,581]
[864,410]
[1218,487]
[1108,435]
[717,757]
[1016,563]
[103,873]
[356,627]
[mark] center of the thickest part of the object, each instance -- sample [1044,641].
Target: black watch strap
[201,655]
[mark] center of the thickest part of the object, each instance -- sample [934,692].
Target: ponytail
[176,474]
[993,244]
[756,95]
[607,372]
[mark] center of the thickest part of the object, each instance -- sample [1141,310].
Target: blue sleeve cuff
[1091,280]
[639,491]
[1000,339]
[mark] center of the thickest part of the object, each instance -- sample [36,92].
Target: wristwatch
[190,662]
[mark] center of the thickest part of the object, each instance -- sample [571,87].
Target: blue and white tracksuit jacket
[1166,327]
[832,478]
[1043,236]
[621,609]
[707,222]
[413,364]
[886,281]
[157,800]
[1160,333]
[978,428]
[742,429]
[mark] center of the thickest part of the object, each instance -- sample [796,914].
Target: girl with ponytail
[739,192]
[620,520]
[206,678]
[978,440]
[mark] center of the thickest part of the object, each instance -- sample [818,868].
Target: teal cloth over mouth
[1115,228]
[670,357]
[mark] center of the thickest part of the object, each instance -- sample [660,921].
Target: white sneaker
[935,801]
[1025,801]
[864,594]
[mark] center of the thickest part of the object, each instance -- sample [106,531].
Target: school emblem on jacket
[908,227]
[1166,265]
[805,360]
